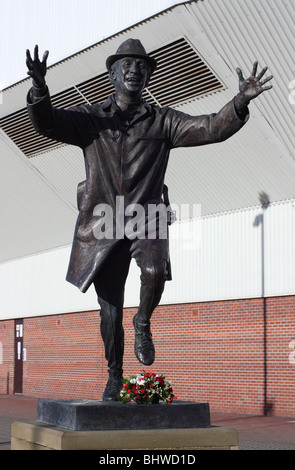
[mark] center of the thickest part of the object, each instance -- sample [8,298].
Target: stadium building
[224,332]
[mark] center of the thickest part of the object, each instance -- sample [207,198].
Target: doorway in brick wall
[18,355]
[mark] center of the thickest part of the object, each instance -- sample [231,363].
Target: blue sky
[63,27]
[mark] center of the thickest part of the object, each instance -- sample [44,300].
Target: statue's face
[130,75]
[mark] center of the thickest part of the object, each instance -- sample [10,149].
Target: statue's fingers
[36,52]
[269,87]
[262,73]
[28,54]
[45,56]
[29,58]
[240,73]
[254,70]
[267,79]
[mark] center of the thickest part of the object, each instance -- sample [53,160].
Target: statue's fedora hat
[131,48]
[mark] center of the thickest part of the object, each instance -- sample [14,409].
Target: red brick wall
[6,356]
[280,372]
[64,356]
[210,351]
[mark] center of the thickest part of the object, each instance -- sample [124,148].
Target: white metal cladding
[231,174]
[279,256]
[31,208]
[65,169]
[242,254]
[243,31]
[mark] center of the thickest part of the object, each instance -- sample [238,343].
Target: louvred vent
[181,76]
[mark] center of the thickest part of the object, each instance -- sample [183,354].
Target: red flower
[160,380]
[142,390]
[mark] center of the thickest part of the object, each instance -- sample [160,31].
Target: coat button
[116,134]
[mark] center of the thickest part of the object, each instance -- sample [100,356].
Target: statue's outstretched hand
[37,69]
[251,87]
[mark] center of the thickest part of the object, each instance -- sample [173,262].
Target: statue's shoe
[113,387]
[144,347]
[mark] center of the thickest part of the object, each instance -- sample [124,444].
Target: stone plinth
[37,436]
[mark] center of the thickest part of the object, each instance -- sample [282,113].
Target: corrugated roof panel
[64,168]
[229,175]
[34,215]
[242,32]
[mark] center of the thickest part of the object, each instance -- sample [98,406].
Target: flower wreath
[146,388]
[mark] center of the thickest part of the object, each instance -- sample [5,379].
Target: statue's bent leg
[150,256]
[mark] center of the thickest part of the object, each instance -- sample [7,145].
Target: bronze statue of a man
[126,144]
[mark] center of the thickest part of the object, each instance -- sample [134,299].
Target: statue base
[97,425]
[96,415]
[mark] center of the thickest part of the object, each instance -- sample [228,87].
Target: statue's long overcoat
[122,159]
